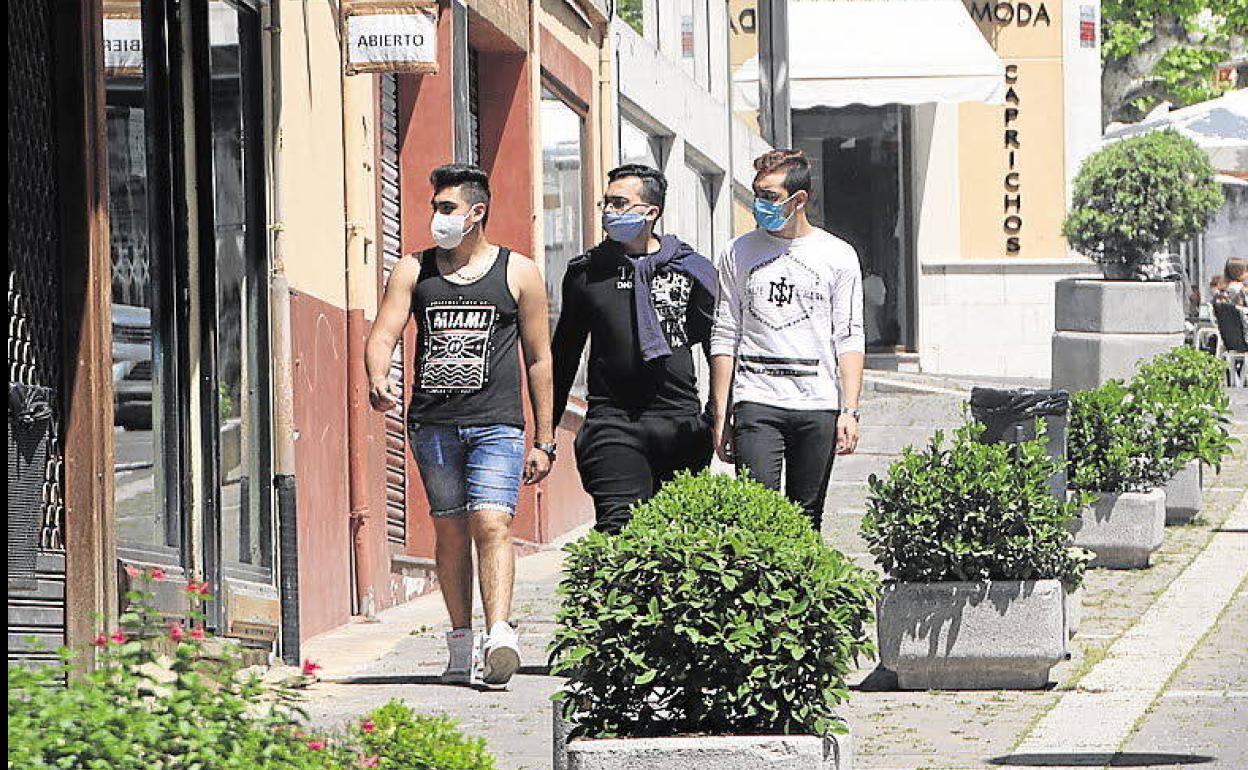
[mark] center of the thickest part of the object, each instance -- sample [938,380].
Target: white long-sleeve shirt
[787,309]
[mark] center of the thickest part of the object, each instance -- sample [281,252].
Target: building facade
[229,200]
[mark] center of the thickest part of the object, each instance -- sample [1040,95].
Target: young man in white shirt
[788,348]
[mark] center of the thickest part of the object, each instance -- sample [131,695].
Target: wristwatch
[854,412]
[550,449]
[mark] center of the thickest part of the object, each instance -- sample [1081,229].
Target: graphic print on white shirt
[785,292]
[670,293]
[457,358]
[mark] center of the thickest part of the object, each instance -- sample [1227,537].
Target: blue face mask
[624,227]
[770,214]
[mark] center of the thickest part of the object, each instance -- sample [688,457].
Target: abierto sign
[386,36]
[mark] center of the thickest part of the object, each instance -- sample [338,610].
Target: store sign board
[1087,26]
[1011,157]
[123,38]
[391,37]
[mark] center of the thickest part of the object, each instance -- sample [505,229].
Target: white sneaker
[462,649]
[500,654]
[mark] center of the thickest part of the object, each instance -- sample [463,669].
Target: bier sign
[123,39]
[390,36]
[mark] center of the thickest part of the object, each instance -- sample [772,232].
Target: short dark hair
[793,163]
[474,181]
[653,183]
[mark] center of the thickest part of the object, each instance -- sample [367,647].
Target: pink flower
[316,745]
[203,589]
[158,574]
[370,761]
[101,641]
[197,633]
[119,636]
[368,726]
[133,571]
[310,668]
[176,632]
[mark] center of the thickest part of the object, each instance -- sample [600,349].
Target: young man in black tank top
[472,302]
[642,301]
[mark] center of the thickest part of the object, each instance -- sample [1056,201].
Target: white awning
[882,52]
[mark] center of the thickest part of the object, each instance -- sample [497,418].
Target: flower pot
[1185,494]
[722,752]
[992,635]
[1123,530]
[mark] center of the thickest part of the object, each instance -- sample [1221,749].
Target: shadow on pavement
[1123,759]
[391,679]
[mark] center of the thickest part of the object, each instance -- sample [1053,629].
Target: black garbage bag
[1012,417]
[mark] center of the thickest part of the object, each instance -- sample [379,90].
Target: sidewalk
[1203,711]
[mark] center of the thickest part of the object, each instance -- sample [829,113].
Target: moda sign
[384,36]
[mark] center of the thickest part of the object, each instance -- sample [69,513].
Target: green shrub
[163,696]
[1183,391]
[717,610]
[1115,444]
[1136,196]
[963,510]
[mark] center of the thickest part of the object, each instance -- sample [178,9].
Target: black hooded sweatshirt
[598,304]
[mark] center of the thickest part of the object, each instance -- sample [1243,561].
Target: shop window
[241,271]
[857,174]
[147,443]
[564,166]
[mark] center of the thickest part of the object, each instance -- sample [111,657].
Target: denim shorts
[469,469]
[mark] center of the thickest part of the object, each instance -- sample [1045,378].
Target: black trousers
[624,459]
[767,440]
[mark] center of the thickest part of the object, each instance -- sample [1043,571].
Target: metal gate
[36,597]
[392,251]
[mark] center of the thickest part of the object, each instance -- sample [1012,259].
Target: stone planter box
[1104,329]
[1185,494]
[972,636]
[744,752]
[1123,530]
[1074,611]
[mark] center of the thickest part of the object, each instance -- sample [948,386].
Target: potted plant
[979,559]
[1131,200]
[1137,196]
[1116,451]
[717,613]
[1183,390]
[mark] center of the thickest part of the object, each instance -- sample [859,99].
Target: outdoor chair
[1233,347]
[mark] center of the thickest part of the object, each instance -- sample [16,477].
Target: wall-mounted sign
[1087,26]
[389,36]
[123,38]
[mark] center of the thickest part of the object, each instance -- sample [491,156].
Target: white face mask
[448,229]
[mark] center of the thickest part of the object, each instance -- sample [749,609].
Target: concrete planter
[972,636]
[744,752]
[1123,530]
[1104,329]
[1185,494]
[1074,611]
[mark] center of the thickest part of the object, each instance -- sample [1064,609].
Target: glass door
[858,169]
[239,288]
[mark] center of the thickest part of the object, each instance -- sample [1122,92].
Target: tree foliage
[1166,50]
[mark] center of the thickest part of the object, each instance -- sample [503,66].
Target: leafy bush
[1136,196]
[717,610]
[969,511]
[163,695]
[1183,392]
[1115,444]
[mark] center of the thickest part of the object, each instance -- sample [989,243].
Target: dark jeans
[767,439]
[625,459]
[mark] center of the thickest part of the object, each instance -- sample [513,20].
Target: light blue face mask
[770,214]
[623,227]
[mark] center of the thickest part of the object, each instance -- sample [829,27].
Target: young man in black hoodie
[643,301]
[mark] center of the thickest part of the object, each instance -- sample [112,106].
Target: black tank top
[468,368]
